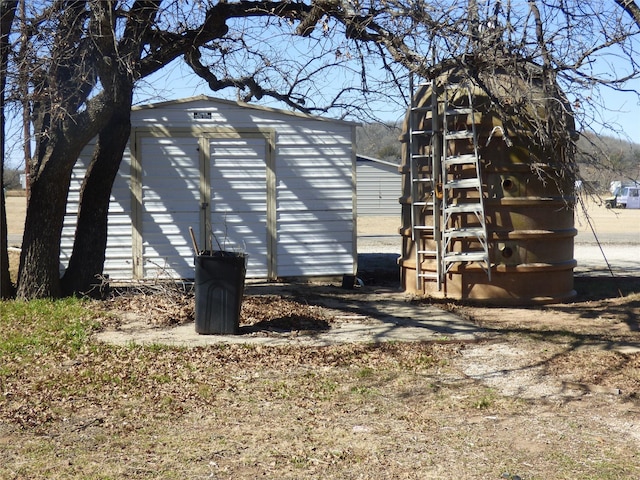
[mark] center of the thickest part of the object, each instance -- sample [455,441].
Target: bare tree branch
[631,8]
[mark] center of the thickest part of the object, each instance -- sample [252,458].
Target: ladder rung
[459,111]
[423,180]
[465,233]
[428,252]
[423,227]
[464,208]
[461,134]
[420,156]
[422,204]
[431,275]
[422,109]
[466,159]
[422,132]
[463,183]
[479,256]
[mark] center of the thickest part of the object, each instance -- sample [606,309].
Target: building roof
[206,98]
[365,158]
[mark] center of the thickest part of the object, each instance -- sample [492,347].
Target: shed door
[238,181]
[170,205]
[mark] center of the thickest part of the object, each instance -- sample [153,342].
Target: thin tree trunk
[7,14]
[6,287]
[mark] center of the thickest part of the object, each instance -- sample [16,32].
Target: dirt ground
[16,212]
[576,366]
[531,392]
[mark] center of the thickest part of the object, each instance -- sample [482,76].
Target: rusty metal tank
[528,191]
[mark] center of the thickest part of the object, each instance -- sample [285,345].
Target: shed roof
[200,98]
[365,158]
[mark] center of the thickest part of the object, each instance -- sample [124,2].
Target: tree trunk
[87,259]
[6,287]
[7,13]
[39,275]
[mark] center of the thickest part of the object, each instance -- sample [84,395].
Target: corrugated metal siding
[118,261]
[314,195]
[170,205]
[239,199]
[379,187]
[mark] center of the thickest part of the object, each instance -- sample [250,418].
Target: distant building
[378,186]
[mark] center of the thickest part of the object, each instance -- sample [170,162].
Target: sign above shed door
[238,200]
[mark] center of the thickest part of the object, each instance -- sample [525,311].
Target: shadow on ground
[379,269]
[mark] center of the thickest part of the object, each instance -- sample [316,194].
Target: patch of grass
[485,400]
[599,462]
[299,461]
[362,390]
[327,387]
[429,361]
[42,326]
[365,372]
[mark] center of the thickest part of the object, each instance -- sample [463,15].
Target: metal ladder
[462,197]
[425,174]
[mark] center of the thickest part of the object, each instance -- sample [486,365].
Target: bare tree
[86,57]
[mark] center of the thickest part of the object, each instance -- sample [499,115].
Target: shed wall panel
[238,182]
[314,194]
[118,254]
[170,205]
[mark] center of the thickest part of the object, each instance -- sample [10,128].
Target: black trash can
[219,289]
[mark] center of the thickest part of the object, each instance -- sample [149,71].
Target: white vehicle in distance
[624,196]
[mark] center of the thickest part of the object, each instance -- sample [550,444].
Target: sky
[622,108]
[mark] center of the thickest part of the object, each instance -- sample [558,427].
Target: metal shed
[379,187]
[275,184]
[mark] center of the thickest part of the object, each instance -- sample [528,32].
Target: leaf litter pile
[263,314]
